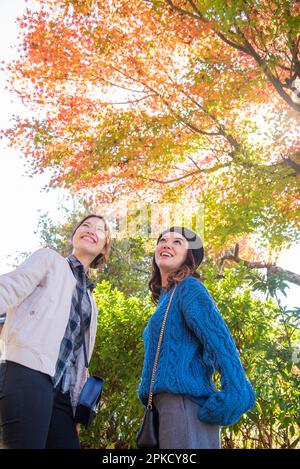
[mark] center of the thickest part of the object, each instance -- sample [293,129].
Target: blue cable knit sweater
[196,342]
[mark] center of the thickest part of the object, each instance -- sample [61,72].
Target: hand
[78,428]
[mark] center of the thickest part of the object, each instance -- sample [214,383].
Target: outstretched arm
[15,286]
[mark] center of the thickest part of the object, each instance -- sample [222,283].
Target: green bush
[118,357]
[263,341]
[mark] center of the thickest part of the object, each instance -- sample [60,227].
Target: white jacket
[36,298]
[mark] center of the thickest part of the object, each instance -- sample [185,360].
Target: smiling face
[171,252]
[90,238]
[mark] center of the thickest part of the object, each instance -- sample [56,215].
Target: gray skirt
[179,424]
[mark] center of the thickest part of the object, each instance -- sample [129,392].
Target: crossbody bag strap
[86,362]
[149,405]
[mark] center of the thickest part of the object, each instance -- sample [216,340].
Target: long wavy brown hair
[101,259]
[187,268]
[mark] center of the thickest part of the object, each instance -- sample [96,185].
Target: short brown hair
[101,259]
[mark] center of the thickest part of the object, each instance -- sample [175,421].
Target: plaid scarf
[72,340]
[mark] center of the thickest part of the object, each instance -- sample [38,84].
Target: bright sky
[21,198]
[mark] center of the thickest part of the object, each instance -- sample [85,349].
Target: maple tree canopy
[168,100]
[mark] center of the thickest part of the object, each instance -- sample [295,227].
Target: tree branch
[271,267]
[206,171]
[233,142]
[130,101]
[182,11]
[247,49]
[119,86]
[289,162]
[196,129]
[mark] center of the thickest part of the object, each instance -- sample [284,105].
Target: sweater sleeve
[15,286]
[236,396]
[142,395]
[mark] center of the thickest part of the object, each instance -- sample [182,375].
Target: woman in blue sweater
[196,343]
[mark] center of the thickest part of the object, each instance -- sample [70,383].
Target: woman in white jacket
[42,367]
